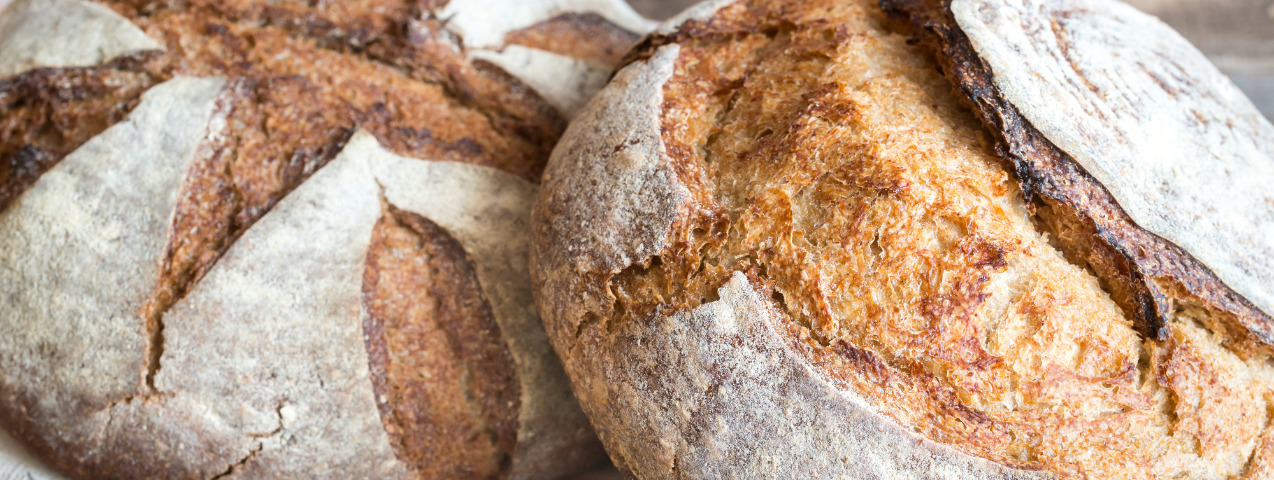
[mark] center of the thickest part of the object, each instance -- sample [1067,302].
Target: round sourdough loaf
[923,239]
[286,239]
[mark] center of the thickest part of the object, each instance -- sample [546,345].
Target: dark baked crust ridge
[50,112]
[1146,274]
[489,213]
[280,131]
[445,381]
[586,36]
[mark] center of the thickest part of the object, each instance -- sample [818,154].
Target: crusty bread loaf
[783,244]
[286,239]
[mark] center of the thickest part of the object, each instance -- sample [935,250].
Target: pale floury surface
[227,262]
[1212,150]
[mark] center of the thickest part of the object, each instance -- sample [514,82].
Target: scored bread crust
[224,264]
[732,359]
[780,217]
[736,357]
[1150,270]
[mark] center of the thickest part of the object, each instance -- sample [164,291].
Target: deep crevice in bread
[237,464]
[1074,238]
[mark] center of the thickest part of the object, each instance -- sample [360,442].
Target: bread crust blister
[905,270]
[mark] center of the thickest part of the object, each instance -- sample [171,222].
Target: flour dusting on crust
[290,288]
[98,218]
[1180,148]
[565,82]
[303,264]
[489,211]
[613,150]
[64,33]
[742,399]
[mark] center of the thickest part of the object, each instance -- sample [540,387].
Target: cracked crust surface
[220,303]
[816,149]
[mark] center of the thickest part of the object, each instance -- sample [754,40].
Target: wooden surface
[1237,35]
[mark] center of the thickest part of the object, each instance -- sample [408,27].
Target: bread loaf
[923,239]
[245,239]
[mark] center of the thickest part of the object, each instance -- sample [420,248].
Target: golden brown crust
[1135,265]
[578,35]
[821,153]
[444,378]
[49,113]
[810,254]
